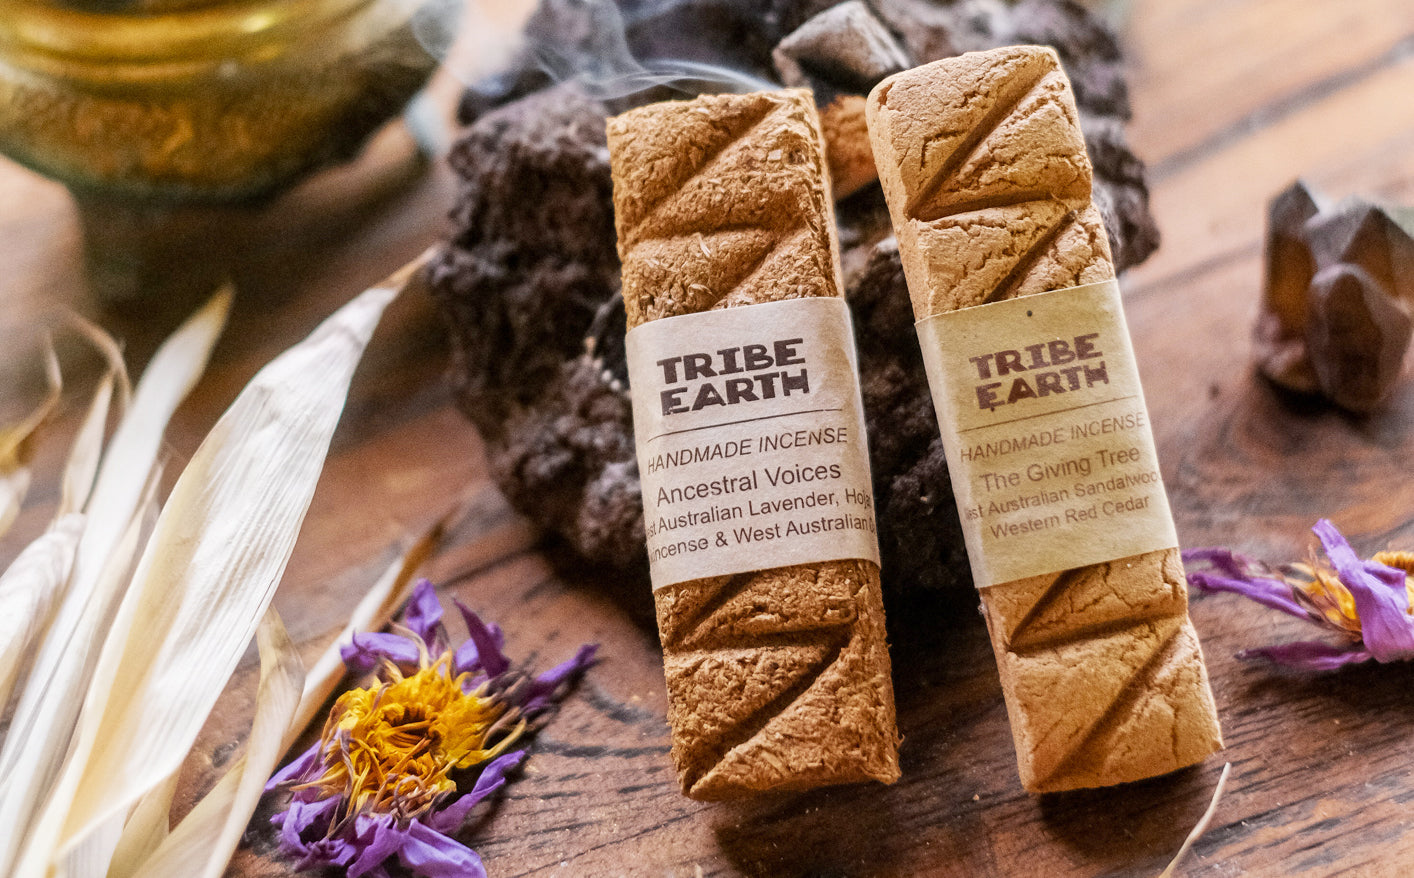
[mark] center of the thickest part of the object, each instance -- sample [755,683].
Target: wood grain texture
[1321,783]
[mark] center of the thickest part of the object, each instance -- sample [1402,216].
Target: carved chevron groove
[1112,720]
[1063,581]
[1028,259]
[735,130]
[689,219]
[1090,632]
[702,627]
[1012,94]
[832,643]
[692,619]
[1080,604]
[992,202]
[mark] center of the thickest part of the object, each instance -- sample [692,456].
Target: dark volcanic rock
[529,280]
[531,263]
[532,256]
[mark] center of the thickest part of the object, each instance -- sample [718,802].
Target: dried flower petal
[423,617]
[1245,576]
[1310,655]
[364,652]
[1365,602]
[541,691]
[486,642]
[492,778]
[1381,599]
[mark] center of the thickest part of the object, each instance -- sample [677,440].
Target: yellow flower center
[1329,596]
[391,747]
[1332,600]
[1400,561]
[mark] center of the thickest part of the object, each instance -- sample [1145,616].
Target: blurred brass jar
[199,100]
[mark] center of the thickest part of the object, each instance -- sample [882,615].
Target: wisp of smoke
[597,57]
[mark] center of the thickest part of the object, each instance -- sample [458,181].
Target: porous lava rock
[529,279]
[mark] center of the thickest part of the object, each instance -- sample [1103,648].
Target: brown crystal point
[1280,332]
[1357,334]
[844,49]
[1336,303]
[839,54]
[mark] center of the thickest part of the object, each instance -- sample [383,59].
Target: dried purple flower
[1366,603]
[392,774]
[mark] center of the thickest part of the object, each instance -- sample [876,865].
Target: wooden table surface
[1234,98]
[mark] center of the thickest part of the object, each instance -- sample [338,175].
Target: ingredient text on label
[750,436]
[1046,433]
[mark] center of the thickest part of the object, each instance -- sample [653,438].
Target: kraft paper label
[1046,433]
[750,437]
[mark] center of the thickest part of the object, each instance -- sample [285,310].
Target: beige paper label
[1046,432]
[750,436]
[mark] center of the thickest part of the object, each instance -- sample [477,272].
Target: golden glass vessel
[200,100]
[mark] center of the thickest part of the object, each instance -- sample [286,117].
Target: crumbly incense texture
[847,152]
[777,679]
[988,183]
